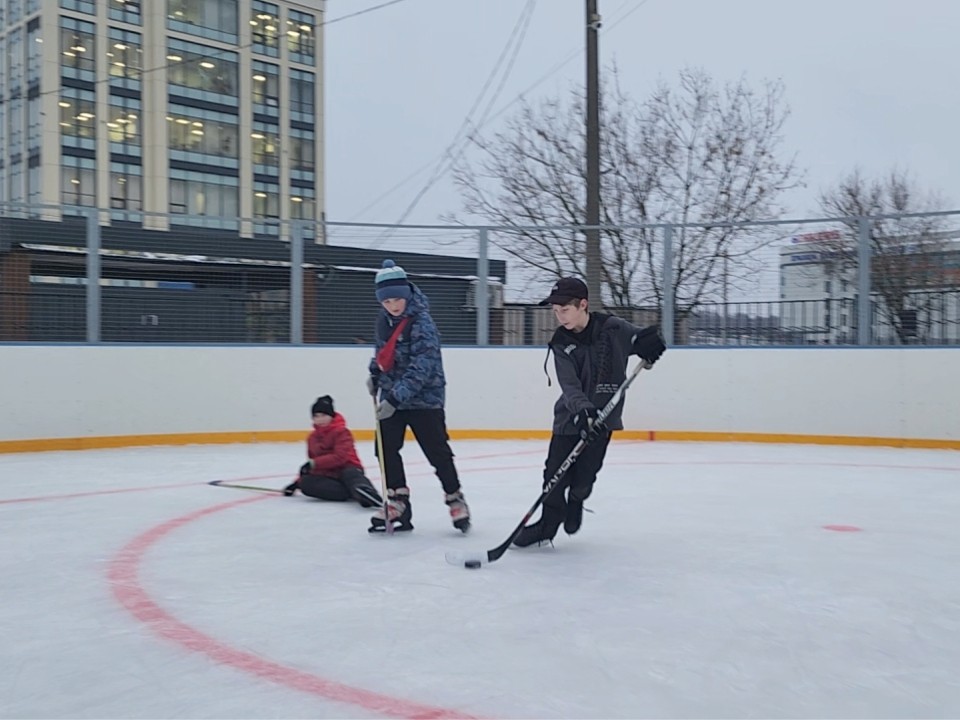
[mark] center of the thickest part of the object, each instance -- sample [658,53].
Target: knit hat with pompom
[392,282]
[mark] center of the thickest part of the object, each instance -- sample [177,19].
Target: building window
[78,181]
[127,11]
[123,125]
[265,87]
[34,126]
[78,49]
[125,58]
[83,6]
[302,154]
[301,40]
[203,72]
[34,55]
[265,144]
[15,60]
[34,189]
[78,127]
[195,193]
[16,182]
[126,187]
[15,126]
[3,141]
[265,28]
[302,203]
[213,19]
[266,206]
[301,96]
[33,6]
[204,136]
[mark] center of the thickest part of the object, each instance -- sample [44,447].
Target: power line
[566,60]
[362,12]
[451,154]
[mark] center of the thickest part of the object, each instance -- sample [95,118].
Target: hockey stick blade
[496,553]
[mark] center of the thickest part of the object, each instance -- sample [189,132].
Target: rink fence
[82,397]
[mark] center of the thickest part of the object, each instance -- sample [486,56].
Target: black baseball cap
[565,290]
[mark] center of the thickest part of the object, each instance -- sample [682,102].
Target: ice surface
[703,585]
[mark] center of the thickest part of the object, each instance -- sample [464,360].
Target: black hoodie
[590,366]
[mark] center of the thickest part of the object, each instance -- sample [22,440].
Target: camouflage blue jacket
[416,380]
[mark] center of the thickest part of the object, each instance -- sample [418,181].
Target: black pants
[338,489]
[430,429]
[579,478]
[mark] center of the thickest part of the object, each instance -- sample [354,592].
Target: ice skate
[542,531]
[459,512]
[574,517]
[399,511]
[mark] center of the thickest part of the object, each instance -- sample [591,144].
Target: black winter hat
[323,405]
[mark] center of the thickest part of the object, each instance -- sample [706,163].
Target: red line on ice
[44,498]
[124,576]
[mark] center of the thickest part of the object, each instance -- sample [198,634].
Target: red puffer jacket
[331,448]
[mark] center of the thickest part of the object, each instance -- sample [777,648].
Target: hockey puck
[472,564]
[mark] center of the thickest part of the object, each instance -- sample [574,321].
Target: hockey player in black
[590,356]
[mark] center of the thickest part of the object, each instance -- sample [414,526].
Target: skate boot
[459,512]
[398,509]
[574,517]
[543,530]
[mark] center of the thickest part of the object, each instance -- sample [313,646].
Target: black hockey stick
[476,559]
[224,483]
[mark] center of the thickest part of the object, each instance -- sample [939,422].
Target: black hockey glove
[586,423]
[648,344]
[306,468]
[291,488]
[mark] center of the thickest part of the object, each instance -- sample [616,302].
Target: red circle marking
[842,528]
[124,576]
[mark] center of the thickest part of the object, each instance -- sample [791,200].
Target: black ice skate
[574,518]
[399,510]
[459,512]
[539,533]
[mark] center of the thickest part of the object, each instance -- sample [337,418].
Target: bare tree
[695,154]
[908,272]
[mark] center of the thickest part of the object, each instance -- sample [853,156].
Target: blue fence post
[482,294]
[864,307]
[296,283]
[667,311]
[94,305]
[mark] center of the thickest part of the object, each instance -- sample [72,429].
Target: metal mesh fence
[70,276]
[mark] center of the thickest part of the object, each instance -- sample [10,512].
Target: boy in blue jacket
[407,372]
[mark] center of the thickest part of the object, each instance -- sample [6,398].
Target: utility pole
[594,263]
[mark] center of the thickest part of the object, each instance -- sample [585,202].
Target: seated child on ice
[333,471]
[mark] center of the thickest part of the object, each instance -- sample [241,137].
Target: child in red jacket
[333,471]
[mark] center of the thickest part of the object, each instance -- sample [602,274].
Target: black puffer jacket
[590,366]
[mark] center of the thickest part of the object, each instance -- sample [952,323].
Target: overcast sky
[872,83]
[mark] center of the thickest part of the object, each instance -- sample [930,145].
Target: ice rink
[711,580]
